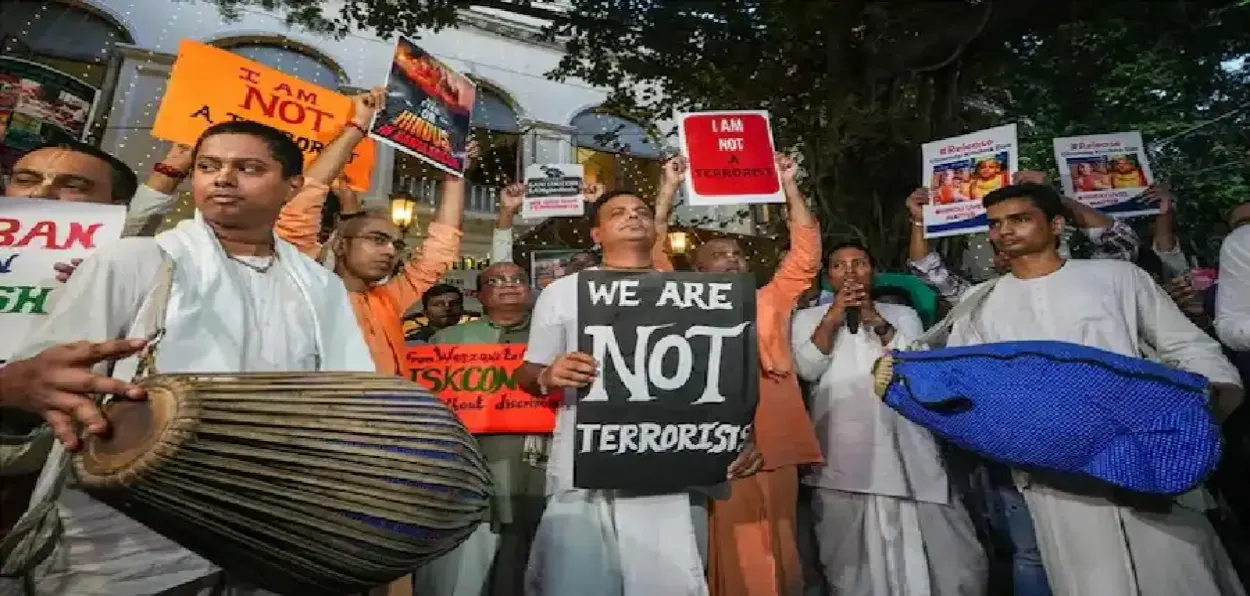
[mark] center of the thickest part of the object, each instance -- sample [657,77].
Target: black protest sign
[678,372]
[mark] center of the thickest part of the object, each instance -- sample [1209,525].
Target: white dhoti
[1092,547]
[591,542]
[884,546]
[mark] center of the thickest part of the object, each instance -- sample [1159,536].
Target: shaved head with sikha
[367,248]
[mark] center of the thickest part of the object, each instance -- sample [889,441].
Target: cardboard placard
[35,235]
[675,396]
[959,172]
[732,158]
[478,382]
[429,107]
[209,85]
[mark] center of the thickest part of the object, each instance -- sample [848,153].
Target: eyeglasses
[506,280]
[380,240]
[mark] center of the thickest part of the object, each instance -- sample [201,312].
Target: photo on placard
[1106,172]
[968,179]
[547,266]
[428,109]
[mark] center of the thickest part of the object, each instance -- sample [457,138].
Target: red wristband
[165,169]
[358,127]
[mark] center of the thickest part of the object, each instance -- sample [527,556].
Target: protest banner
[35,235]
[478,382]
[677,386]
[40,105]
[1108,172]
[209,85]
[731,157]
[553,190]
[959,172]
[428,109]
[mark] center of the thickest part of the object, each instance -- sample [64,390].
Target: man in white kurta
[1090,545]
[231,307]
[886,522]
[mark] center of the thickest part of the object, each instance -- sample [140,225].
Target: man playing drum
[240,300]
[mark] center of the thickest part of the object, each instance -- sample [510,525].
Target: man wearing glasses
[493,560]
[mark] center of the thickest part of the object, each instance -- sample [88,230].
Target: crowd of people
[835,493]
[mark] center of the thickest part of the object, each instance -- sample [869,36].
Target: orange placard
[210,85]
[478,382]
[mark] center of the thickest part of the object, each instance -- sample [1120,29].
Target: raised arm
[925,263]
[155,197]
[510,200]
[795,272]
[442,241]
[299,222]
[670,181]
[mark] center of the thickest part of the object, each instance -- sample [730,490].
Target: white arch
[269,38]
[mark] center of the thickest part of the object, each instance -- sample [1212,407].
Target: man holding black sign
[638,426]
[753,549]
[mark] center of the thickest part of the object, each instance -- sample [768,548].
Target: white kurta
[868,447]
[885,522]
[1089,546]
[272,327]
[595,542]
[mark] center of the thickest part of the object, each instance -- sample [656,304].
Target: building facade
[126,48]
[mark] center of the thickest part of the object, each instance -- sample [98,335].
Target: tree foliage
[855,86]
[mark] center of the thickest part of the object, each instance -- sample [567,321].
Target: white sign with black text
[677,386]
[553,190]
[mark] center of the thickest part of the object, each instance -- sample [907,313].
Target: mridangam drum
[313,483]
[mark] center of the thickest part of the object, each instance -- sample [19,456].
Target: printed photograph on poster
[553,190]
[547,266]
[428,109]
[1108,172]
[209,85]
[731,157]
[40,105]
[959,172]
[675,396]
[34,237]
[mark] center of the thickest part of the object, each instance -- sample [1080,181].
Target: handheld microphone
[852,321]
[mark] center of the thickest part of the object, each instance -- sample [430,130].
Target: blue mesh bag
[1133,423]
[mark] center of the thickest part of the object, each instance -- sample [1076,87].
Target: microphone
[852,320]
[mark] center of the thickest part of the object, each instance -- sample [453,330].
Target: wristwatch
[882,329]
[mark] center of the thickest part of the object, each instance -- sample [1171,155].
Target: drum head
[136,430]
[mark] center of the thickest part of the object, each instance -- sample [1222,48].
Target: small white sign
[553,190]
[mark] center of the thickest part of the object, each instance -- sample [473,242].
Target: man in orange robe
[753,550]
[366,247]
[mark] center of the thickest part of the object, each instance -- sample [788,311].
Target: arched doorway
[68,36]
[617,152]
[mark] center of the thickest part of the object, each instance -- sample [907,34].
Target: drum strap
[35,535]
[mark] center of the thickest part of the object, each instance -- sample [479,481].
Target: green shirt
[520,478]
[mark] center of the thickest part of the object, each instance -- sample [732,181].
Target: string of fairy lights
[126,131]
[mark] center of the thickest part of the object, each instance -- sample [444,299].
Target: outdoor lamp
[678,242]
[403,211]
